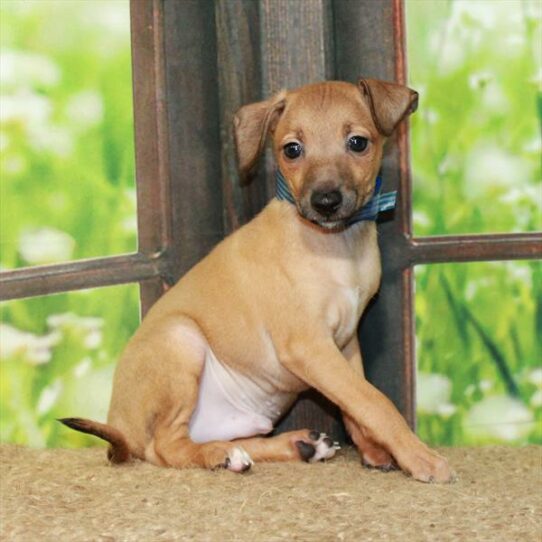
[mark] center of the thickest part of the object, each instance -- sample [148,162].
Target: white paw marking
[238,460]
[324,450]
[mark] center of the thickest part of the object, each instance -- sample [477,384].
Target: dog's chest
[343,313]
[351,288]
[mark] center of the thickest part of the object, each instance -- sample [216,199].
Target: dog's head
[327,141]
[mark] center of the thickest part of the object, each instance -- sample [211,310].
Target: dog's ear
[389,103]
[252,123]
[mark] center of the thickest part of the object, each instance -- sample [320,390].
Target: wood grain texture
[194,132]
[364,39]
[297,48]
[239,80]
[150,126]
[151,133]
[294,43]
[474,248]
[82,274]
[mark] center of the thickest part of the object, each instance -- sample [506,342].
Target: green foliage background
[67,181]
[67,165]
[476,165]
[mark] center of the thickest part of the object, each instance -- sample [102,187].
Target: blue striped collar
[378,203]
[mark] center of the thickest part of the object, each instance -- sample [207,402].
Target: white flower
[535,377]
[23,69]
[129,224]
[48,397]
[536,399]
[479,80]
[54,139]
[471,290]
[446,410]
[520,272]
[421,219]
[489,168]
[114,17]
[471,25]
[486,385]
[470,389]
[4,141]
[473,287]
[12,341]
[14,164]
[499,417]
[32,348]
[487,14]
[90,328]
[85,108]
[433,393]
[70,319]
[130,194]
[526,194]
[477,284]
[46,245]
[449,163]
[532,9]
[93,339]
[91,405]
[494,98]
[431,116]
[83,367]
[536,79]
[33,112]
[534,145]
[452,54]
[25,107]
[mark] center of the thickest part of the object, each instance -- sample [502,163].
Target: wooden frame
[189,195]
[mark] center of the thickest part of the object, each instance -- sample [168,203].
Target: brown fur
[279,300]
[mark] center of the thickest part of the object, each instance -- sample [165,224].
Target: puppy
[274,308]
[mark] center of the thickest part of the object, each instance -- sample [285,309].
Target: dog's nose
[326,203]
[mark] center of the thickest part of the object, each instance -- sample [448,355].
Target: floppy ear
[389,103]
[251,124]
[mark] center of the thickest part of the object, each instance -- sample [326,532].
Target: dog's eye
[357,143]
[292,150]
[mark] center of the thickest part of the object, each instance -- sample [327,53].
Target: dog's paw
[238,460]
[318,447]
[385,466]
[428,466]
[377,458]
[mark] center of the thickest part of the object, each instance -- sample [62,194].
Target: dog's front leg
[371,453]
[318,362]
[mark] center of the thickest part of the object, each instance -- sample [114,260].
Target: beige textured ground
[69,495]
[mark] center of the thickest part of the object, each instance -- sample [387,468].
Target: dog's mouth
[330,224]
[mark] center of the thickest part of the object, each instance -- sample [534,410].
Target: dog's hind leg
[239,455]
[171,357]
[301,445]
[176,383]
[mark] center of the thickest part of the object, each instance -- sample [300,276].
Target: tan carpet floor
[74,495]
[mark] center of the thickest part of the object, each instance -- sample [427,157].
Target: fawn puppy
[274,308]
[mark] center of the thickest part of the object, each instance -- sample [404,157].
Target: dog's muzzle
[327,209]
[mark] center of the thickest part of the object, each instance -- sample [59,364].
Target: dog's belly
[231,405]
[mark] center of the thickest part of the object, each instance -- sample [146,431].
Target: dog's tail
[119,451]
